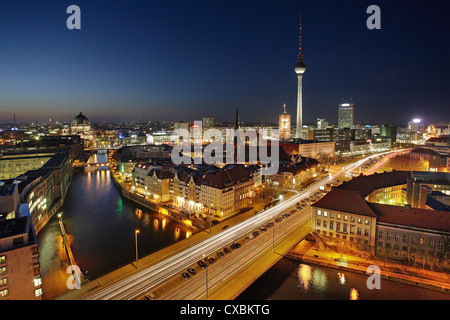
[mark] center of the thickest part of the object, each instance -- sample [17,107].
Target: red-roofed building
[344,214]
[397,232]
[293,175]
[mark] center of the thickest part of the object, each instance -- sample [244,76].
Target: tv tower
[300,68]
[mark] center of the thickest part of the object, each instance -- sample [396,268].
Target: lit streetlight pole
[135,240]
[206,262]
[273,236]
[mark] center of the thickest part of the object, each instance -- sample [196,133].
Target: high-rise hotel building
[346,115]
[20,271]
[300,68]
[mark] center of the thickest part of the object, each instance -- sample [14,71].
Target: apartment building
[20,273]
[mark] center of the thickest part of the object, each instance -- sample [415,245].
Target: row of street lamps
[136,232]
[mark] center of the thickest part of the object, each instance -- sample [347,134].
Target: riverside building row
[27,202]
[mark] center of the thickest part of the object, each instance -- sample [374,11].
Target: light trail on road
[225,268]
[140,282]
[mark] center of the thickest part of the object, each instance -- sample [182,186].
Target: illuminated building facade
[300,68]
[14,165]
[20,271]
[43,189]
[309,148]
[293,175]
[208,122]
[81,126]
[152,181]
[284,125]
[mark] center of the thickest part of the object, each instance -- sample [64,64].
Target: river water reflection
[102,225]
[292,280]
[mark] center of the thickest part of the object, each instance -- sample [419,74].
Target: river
[102,226]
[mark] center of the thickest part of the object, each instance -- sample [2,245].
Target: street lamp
[135,241]
[273,235]
[210,218]
[206,262]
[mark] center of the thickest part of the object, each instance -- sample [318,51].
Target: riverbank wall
[397,273]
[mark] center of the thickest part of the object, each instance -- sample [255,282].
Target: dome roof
[80,120]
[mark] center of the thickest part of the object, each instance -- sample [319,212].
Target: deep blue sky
[183,60]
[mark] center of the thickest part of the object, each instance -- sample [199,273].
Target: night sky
[184,60]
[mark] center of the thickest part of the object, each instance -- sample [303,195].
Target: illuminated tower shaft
[284,131]
[300,68]
[298,131]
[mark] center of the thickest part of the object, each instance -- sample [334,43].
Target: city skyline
[221,152]
[148,62]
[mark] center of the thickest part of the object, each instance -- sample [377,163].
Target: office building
[20,271]
[81,126]
[358,214]
[346,113]
[300,68]
[208,122]
[322,123]
[284,125]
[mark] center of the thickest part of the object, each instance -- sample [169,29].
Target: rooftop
[412,217]
[345,201]
[7,189]
[55,161]
[367,184]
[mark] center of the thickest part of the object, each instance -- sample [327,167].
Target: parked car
[186,275]
[235,245]
[211,260]
[226,250]
[150,296]
[220,254]
[192,271]
[201,264]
